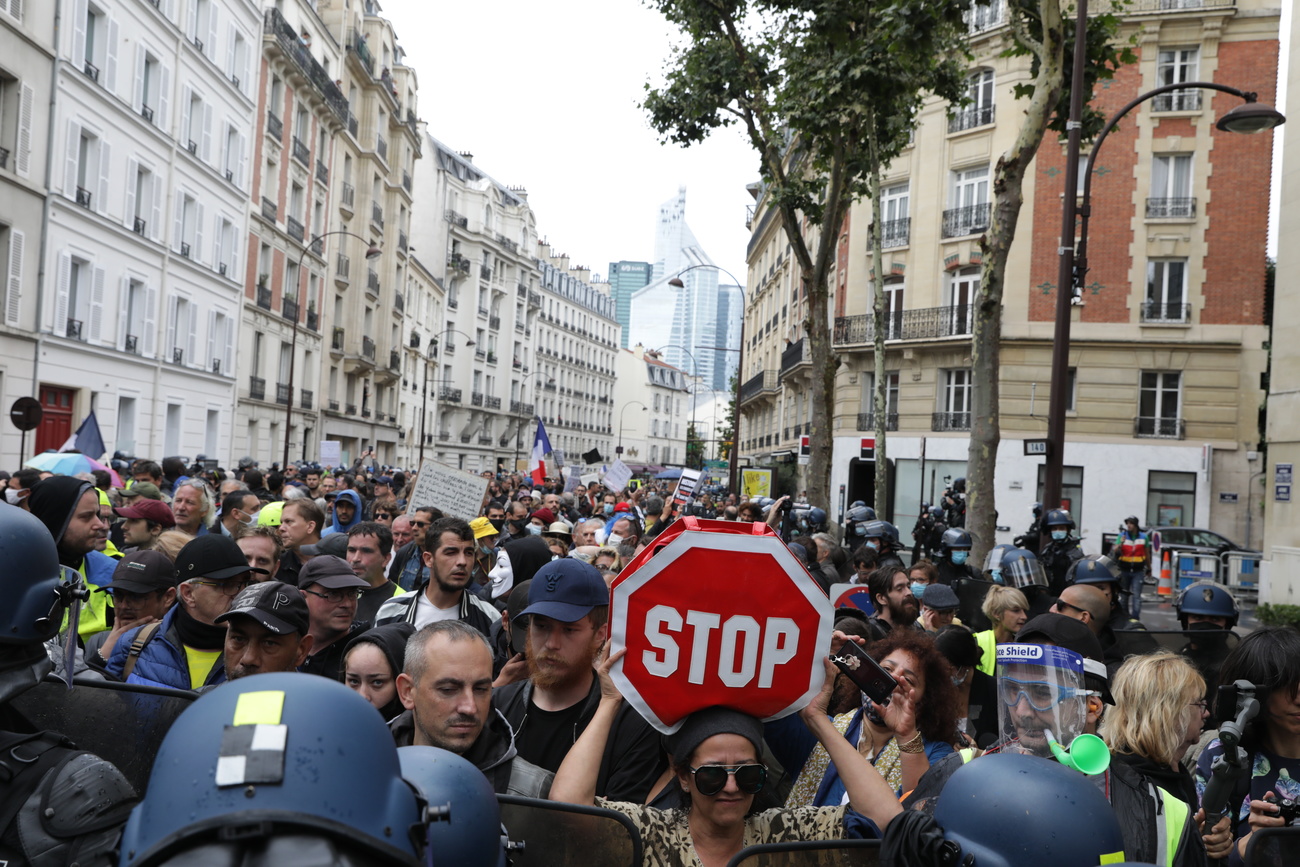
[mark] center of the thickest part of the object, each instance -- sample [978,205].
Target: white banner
[331,453]
[617,476]
[456,492]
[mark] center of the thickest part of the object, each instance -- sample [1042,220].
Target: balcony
[256,388]
[333,406]
[950,421]
[927,323]
[4,158]
[264,296]
[1166,312]
[147,113]
[394,360]
[1171,209]
[336,340]
[368,348]
[381,147]
[357,46]
[867,421]
[269,209]
[534,299]
[365,412]
[377,214]
[494,323]
[399,302]
[301,152]
[1158,427]
[449,395]
[492,402]
[287,37]
[305,398]
[83,197]
[406,180]
[981,17]
[185,250]
[970,220]
[485,272]
[73,329]
[372,281]
[313,320]
[476,398]
[349,196]
[480,354]
[350,409]
[132,344]
[893,234]
[274,126]
[92,71]
[343,268]
[322,173]
[969,118]
[289,309]
[353,125]
[138,225]
[520,408]
[764,382]
[456,219]
[795,354]
[294,228]
[1179,100]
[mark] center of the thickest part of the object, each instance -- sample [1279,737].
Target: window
[88,159]
[172,429]
[969,199]
[124,438]
[963,286]
[94,44]
[235,156]
[142,213]
[1171,499]
[203,26]
[151,82]
[1174,66]
[978,111]
[135,325]
[867,414]
[79,299]
[1159,405]
[237,58]
[221,343]
[894,288]
[1071,491]
[189,226]
[16,113]
[196,125]
[226,254]
[182,328]
[983,16]
[1072,389]
[12,246]
[894,216]
[1171,187]
[1166,299]
[954,401]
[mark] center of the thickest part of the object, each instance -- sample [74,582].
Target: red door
[56,423]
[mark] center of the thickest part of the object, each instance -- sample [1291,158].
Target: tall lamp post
[424,403]
[622,413]
[372,252]
[1250,117]
[676,282]
[519,429]
[695,366]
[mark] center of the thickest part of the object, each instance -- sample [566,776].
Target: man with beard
[568,610]
[446,688]
[891,593]
[267,629]
[69,508]
[448,556]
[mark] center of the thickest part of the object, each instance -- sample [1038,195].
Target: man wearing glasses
[1086,604]
[143,590]
[332,590]
[184,649]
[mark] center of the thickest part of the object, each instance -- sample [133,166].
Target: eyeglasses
[711,779]
[337,595]
[1061,603]
[227,588]
[419,523]
[379,516]
[130,595]
[1203,706]
[1040,694]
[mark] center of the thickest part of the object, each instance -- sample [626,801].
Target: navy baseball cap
[566,590]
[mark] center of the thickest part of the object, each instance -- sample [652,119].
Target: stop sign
[718,613]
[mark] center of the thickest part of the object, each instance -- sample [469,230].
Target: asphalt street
[1158,612]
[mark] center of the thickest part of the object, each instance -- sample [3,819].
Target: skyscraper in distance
[626,278]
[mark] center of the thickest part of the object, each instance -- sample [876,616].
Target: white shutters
[61,293]
[228,360]
[231,30]
[164,98]
[70,160]
[169,345]
[97,305]
[14,279]
[210,41]
[22,160]
[197,251]
[242,172]
[220,238]
[206,150]
[110,57]
[191,342]
[150,320]
[178,223]
[212,337]
[132,178]
[105,166]
[155,218]
[187,123]
[137,90]
[123,311]
[78,11]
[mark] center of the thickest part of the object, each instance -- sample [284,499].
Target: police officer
[1062,549]
[1207,613]
[855,524]
[921,533]
[954,503]
[1133,548]
[882,537]
[1120,635]
[1032,538]
[954,549]
[58,805]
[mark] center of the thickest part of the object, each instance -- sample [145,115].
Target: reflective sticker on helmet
[1112,858]
[259,708]
[251,754]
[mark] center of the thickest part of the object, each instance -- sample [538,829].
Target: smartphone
[864,671]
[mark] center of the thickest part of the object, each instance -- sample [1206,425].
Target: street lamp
[519,429]
[372,252]
[695,366]
[621,414]
[676,283]
[424,406]
[1250,117]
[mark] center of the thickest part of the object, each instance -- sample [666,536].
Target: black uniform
[1057,558]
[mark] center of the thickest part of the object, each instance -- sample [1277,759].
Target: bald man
[1086,603]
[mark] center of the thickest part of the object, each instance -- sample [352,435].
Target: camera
[1288,809]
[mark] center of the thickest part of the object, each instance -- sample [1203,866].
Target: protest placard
[457,493]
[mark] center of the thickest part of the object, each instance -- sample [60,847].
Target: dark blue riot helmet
[1207,599]
[469,833]
[34,595]
[274,755]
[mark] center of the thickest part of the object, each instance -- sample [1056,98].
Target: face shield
[1020,571]
[993,562]
[1040,690]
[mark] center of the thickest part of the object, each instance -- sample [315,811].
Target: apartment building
[138,314]
[1168,341]
[653,405]
[426,305]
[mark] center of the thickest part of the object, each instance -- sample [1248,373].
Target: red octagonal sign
[718,613]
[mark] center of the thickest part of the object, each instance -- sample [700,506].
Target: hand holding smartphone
[864,671]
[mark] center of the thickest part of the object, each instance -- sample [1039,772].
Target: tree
[1039,31]
[694,447]
[823,89]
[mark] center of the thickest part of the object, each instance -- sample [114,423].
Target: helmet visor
[993,559]
[1022,572]
[1040,690]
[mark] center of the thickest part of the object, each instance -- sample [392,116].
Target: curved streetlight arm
[1085,210]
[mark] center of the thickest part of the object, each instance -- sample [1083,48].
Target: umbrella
[70,464]
[671,473]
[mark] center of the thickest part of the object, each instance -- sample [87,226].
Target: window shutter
[187,97]
[191,343]
[137,92]
[192,25]
[110,57]
[79,34]
[228,363]
[178,222]
[14,279]
[241,172]
[150,321]
[22,160]
[164,99]
[97,306]
[61,294]
[197,251]
[155,218]
[206,146]
[70,163]
[171,328]
[132,171]
[210,43]
[212,337]
[105,166]
[216,246]
[230,53]
[124,307]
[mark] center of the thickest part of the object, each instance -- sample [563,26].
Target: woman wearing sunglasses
[715,757]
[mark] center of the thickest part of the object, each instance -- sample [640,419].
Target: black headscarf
[391,640]
[54,501]
[527,555]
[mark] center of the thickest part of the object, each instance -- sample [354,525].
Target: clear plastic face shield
[1041,696]
[993,562]
[1020,571]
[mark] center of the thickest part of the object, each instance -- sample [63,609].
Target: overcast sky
[545,96]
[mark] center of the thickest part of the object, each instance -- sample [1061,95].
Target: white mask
[502,575]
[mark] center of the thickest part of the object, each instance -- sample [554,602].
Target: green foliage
[1279,615]
[694,447]
[1105,56]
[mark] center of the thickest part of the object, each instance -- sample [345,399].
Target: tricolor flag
[86,439]
[537,459]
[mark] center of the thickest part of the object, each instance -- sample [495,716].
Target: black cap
[213,556]
[940,597]
[332,573]
[335,544]
[143,572]
[279,607]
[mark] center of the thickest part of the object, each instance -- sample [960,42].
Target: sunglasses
[382,515]
[419,524]
[711,779]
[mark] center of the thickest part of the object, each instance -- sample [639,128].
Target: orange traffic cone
[1166,585]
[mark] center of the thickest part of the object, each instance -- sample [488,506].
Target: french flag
[537,459]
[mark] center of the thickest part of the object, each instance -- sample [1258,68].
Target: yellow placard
[755,483]
[259,708]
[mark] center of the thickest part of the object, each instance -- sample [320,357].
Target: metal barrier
[1241,571]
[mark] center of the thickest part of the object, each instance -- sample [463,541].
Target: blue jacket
[162,662]
[335,526]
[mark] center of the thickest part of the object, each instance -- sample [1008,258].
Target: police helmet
[1208,600]
[857,504]
[1038,510]
[862,513]
[1021,568]
[816,517]
[882,530]
[959,484]
[984,806]
[954,537]
[925,507]
[247,462]
[993,561]
[275,754]
[936,512]
[471,832]
[34,595]
[1059,518]
[1092,569]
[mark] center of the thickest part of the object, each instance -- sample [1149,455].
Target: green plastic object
[1087,754]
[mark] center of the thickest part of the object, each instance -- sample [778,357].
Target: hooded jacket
[337,527]
[391,641]
[54,501]
[493,751]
